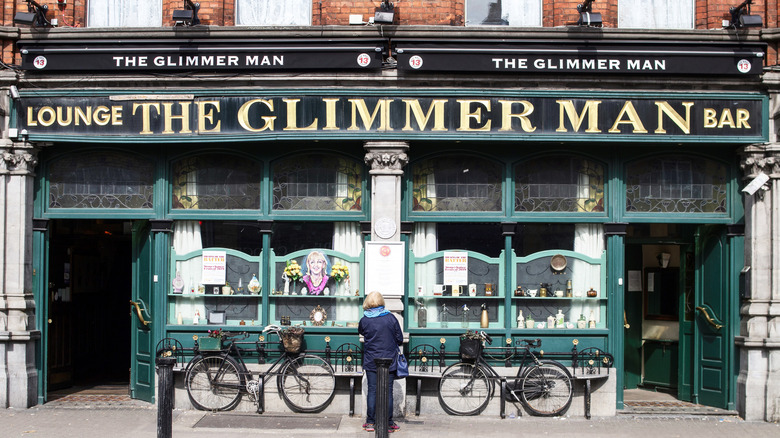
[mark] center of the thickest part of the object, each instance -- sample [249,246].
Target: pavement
[140,421]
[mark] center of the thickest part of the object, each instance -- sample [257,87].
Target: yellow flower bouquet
[339,272]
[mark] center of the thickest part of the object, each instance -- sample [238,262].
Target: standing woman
[382,335]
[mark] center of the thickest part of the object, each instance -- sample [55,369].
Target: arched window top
[102,179]
[676,184]
[457,183]
[317,182]
[559,183]
[216,182]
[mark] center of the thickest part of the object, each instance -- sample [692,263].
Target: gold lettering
[243,116]
[726,119]
[466,116]
[633,120]
[567,107]
[30,120]
[102,115]
[382,108]
[743,116]
[184,117]
[208,115]
[46,116]
[436,109]
[330,114]
[507,115]
[709,118]
[665,108]
[292,117]
[145,115]
[116,115]
[68,119]
[84,115]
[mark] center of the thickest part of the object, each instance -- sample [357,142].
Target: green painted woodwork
[142,337]
[661,363]
[632,350]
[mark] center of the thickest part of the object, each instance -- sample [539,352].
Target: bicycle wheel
[465,389]
[545,389]
[307,383]
[214,383]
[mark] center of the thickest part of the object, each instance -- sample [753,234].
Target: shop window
[559,184]
[656,14]
[317,182]
[123,13]
[458,183]
[216,182]
[273,12]
[676,185]
[526,13]
[101,180]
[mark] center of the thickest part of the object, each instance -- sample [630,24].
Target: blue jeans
[371,398]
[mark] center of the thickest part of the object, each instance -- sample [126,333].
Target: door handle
[709,318]
[138,313]
[626,325]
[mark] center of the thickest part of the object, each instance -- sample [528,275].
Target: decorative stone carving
[20,161]
[386,160]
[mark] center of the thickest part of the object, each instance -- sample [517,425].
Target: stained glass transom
[461,183]
[101,180]
[216,182]
[317,182]
[559,183]
[676,185]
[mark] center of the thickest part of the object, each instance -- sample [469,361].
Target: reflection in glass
[317,182]
[559,184]
[216,182]
[460,183]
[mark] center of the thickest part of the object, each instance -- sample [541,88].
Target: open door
[141,334]
[711,343]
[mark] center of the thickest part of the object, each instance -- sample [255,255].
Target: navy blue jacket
[381,337]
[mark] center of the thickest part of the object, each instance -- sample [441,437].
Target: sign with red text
[456,268]
[214,264]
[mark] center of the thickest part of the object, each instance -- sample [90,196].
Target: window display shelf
[462,297]
[559,298]
[214,295]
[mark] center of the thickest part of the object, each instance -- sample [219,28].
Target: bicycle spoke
[546,389]
[464,389]
[214,383]
[307,384]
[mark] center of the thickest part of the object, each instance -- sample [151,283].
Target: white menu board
[214,263]
[385,268]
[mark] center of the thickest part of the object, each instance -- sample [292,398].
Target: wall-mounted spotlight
[35,15]
[188,15]
[587,16]
[740,16]
[385,13]
[14,92]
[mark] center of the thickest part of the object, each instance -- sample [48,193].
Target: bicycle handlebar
[533,343]
[486,337]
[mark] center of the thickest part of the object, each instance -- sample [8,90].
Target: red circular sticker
[743,66]
[40,62]
[384,251]
[363,60]
[415,62]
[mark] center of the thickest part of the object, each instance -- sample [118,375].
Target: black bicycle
[542,386]
[216,380]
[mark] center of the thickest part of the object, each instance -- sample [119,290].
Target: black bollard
[382,396]
[165,396]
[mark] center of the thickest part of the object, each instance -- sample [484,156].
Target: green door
[141,334]
[712,349]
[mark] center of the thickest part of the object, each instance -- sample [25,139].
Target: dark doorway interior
[90,280]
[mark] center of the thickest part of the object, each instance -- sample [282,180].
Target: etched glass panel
[317,182]
[101,180]
[216,182]
[676,185]
[559,183]
[461,183]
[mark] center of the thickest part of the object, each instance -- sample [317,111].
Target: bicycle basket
[207,343]
[470,349]
[292,339]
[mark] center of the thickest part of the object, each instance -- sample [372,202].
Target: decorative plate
[558,262]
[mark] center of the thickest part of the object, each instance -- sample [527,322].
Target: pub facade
[620,180]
